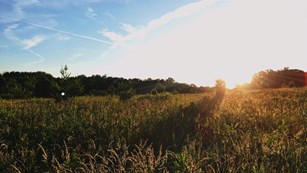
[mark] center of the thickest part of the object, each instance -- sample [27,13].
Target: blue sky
[193,41]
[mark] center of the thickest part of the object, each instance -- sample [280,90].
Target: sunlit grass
[246,131]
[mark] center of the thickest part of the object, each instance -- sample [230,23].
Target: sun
[233,80]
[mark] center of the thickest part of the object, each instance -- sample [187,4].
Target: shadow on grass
[174,131]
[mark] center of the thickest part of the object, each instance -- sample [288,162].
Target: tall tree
[70,86]
[64,72]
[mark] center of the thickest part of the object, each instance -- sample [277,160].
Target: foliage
[43,85]
[278,79]
[64,72]
[246,131]
[39,84]
[70,86]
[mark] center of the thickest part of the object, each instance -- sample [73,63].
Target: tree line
[43,85]
[15,85]
[284,78]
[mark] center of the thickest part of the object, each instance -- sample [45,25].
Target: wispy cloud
[9,32]
[90,13]
[27,44]
[40,57]
[30,43]
[181,12]
[114,37]
[68,33]
[17,11]
[134,33]
[110,15]
[128,28]
[212,37]
[76,56]
[118,38]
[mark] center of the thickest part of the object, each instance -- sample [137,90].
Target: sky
[192,41]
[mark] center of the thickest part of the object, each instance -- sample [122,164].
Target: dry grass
[247,131]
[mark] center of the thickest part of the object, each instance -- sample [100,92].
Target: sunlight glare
[233,80]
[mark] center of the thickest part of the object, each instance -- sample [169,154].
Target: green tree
[45,87]
[2,85]
[75,87]
[280,78]
[160,87]
[170,80]
[70,86]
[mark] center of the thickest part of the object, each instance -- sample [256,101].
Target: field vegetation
[236,131]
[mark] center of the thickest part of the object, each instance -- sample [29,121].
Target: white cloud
[76,56]
[133,33]
[203,41]
[90,13]
[30,43]
[17,11]
[9,32]
[128,28]
[181,12]
[119,39]
[114,37]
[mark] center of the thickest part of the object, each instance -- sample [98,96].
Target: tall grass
[246,131]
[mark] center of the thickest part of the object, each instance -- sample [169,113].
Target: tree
[70,86]
[64,72]
[160,87]
[280,78]
[75,87]
[2,84]
[45,87]
[170,80]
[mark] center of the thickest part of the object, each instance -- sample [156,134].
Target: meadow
[241,131]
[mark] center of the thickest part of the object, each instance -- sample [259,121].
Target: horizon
[195,42]
[237,86]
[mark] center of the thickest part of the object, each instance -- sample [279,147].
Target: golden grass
[246,131]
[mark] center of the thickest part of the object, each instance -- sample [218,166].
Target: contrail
[61,31]
[41,58]
[69,33]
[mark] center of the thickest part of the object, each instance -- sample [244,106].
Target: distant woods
[40,84]
[285,78]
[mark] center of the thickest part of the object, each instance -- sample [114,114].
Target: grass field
[244,131]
